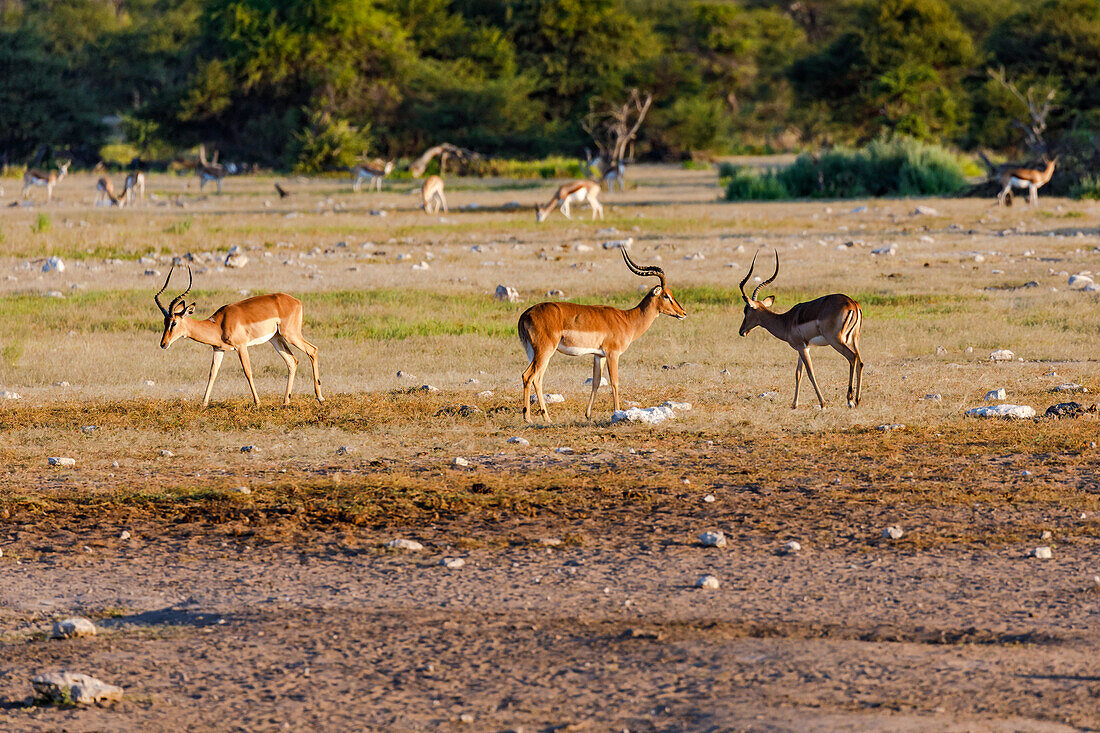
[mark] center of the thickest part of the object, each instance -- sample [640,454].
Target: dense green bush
[743,184]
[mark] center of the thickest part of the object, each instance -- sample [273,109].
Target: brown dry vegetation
[972,496]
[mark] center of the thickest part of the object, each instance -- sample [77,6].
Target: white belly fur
[818,341]
[580,343]
[578,196]
[262,339]
[1019,182]
[579,350]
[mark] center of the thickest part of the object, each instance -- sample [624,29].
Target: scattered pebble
[893,532]
[243,490]
[925,211]
[941,351]
[1006,411]
[891,427]
[619,243]
[1002,355]
[933,397]
[709,498]
[519,441]
[769,395]
[707,582]
[564,450]
[792,547]
[61,461]
[452,563]
[7,394]
[994,395]
[507,293]
[249,449]
[72,628]
[1070,387]
[342,450]
[460,461]
[1046,535]
[124,534]
[403,544]
[72,687]
[713,539]
[651,415]
[1042,553]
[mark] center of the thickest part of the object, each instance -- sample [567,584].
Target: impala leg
[443,201]
[613,377]
[853,358]
[293,334]
[805,354]
[597,373]
[540,372]
[1033,198]
[246,364]
[797,381]
[283,348]
[597,209]
[215,364]
[565,209]
[528,375]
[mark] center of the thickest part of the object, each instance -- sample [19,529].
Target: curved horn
[643,271]
[770,279]
[191,278]
[747,276]
[157,296]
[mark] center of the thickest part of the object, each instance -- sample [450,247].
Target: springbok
[431,195]
[579,330]
[276,318]
[106,190]
[1029,178]
[134,186]
[831,319]
[372,173]
[35,177]
[572,193]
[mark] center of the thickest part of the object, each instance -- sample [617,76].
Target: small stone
[54,264]
[486,394]
[72,628]
[71,687]
[236,260]
[891,250]
[466,718]
[619,243]
[550,541]
[1076,282]
[403,544]
[422,266]
[452,563]
[7,394]
[712,539]
[709,498]
[941,351]
[507,293]
[1046,535]
[404,375]
[1066,409]
[61,461]
[995,395]
[891,427]
[1042,553]
[243,490]
[969,350]
[149,383]
[769,395]
[519,441]
[792,547]
[933,397]
[114,464]
[1070,387]
[1020,412]
[342,450]
[925,211]
[564,450]
[460,462]
[893,532]
[124,535]
[249,449]
[707,582]
[555,294]
[1002,355]
[427,388]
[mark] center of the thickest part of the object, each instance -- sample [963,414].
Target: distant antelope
[602,331]
[608,172]
[1029,178]
[572,193]
[431,194]
[276,318]
[35,177]
[106,190]
[212,171]
[831,319]
[372,172]
[135,185]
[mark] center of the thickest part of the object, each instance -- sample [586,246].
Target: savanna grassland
[284,609]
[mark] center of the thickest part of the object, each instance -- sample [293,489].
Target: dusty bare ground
[576,609]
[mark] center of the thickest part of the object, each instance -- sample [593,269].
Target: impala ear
[190,310]
[656,291]
[767,302]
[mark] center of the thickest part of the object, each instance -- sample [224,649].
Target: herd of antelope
[602,332]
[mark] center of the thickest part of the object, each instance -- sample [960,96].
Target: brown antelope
[35,177]
[135,185]
[572,193]
[579,330]
[106,190]
[276,318]
[831,319]
[372,172]
[1029,178]
[431,194]
[213,171]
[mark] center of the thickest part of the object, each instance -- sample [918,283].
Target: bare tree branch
[1037,110]
[614,127]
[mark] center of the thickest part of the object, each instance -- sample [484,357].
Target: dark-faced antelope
[601,331]
[572,193]
[832,320]
[431,195]
[35,177]
[372,173]
[1029,178]
[106,190]
[276,318]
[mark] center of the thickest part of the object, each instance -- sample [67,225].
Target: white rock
[1070,388]
[485,394]
[72,628]
[403,544]
[72,687]
[452,563]
[1046,535]
[428,388]
[1002,355]
[1007,411]
[460,461]
[342,450]
[792,547]
[709,499]
[769,395]
[564,450]
[507,293]
[422,266]
[925,211]
[891,426]
[650,415]
[707,582]
[61,461]
[236,260]
[166,453]
[893,532]
[619,243]
[124,534]
[941,351]
[1076,282]
[54,264]
[583,248]
[995,394]
[891,250]
[713,539]
[242,490]
[519,441]
[933,397]
[7,394]
[1042,553]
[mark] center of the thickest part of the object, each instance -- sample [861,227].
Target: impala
[135,184]
[276,318]
[372,173]
[579,330]
[213,171]
[106,190]
[831,319]
[35,177]
[572,193]
[431,194]
[1029,178]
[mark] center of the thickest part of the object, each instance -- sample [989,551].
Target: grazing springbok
[35,177]
[431,195]
[134,187]
[372,173]
[106,190]
[1030,178]
[276,318]
[579,330]
[832,320]
[572,193]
